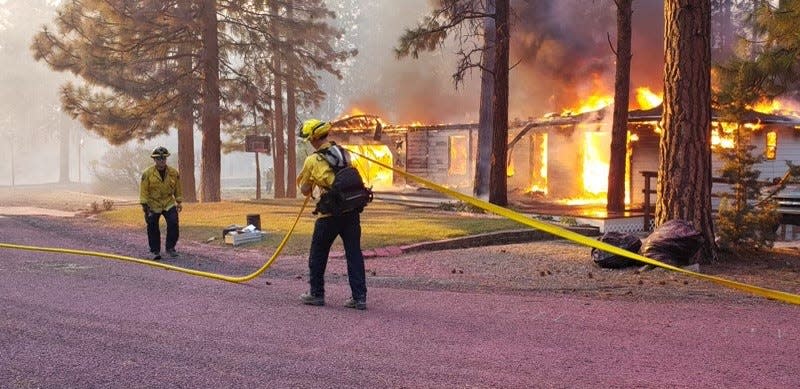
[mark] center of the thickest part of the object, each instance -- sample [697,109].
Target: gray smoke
[561,46]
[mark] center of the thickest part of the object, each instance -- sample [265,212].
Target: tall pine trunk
[498,184]
[485,117]
[210,182]
[256,155]
[619,130]
[291,122]
[186,125]
[291,139]
[280,146]
[279,159]
[269,124]
[186,151]
[684,174]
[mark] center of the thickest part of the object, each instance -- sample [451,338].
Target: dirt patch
[69,197]
[30,211]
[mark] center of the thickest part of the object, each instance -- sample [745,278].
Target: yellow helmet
[313,129]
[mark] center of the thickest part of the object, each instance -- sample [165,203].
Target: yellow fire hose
[215,276]
[507,213]
[585,241]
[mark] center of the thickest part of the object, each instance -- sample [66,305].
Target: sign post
[258,144]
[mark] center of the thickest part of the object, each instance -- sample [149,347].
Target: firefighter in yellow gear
[160,194]
[317,172]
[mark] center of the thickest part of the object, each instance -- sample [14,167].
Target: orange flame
[355,111]
[648,99]
[766,106]
[594,177]
[595,164]
[722,135]
[373,174]
[782,106]
[592,103]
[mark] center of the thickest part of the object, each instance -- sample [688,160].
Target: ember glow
[594,165]
[647,99]
[355,112]
[539,163]
[766,106]
[722,135]
[779,106]
[458,155]
[592,103]
[374,175]
[595,162]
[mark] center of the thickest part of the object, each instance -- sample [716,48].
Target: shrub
[120,169]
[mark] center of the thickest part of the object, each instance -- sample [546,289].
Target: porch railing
[647,210]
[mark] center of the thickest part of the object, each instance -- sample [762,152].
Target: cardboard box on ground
[234,235]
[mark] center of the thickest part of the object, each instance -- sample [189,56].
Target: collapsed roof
[373,123]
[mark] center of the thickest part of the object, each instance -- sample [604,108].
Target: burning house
[556,158]
[443,153]
[544,154]
[775,136]
[560,158]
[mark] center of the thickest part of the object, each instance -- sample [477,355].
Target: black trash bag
[674,242]
[622,240]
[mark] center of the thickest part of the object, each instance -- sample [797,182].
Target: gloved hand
[146,209]
[179,207]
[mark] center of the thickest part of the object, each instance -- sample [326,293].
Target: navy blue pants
[154,233]
[326,229]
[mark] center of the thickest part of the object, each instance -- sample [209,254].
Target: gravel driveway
[525,315]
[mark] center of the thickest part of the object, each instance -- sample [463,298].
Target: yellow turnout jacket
[160,195]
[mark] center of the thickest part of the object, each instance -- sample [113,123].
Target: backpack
[348,192]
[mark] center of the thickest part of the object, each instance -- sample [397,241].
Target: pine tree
[464,19]
[743,218]
[766,64]
[286,66]
[764,68]
[135,60]
[619,130]
[150,66]
[684,173]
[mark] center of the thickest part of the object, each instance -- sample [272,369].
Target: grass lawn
[382,224]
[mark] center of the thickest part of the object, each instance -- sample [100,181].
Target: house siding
[644,157]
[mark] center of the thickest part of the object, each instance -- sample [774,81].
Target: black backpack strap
[337,157]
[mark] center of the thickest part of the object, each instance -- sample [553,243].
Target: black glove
[146,209]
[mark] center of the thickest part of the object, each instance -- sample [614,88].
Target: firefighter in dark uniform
[317,172]
[160,194]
